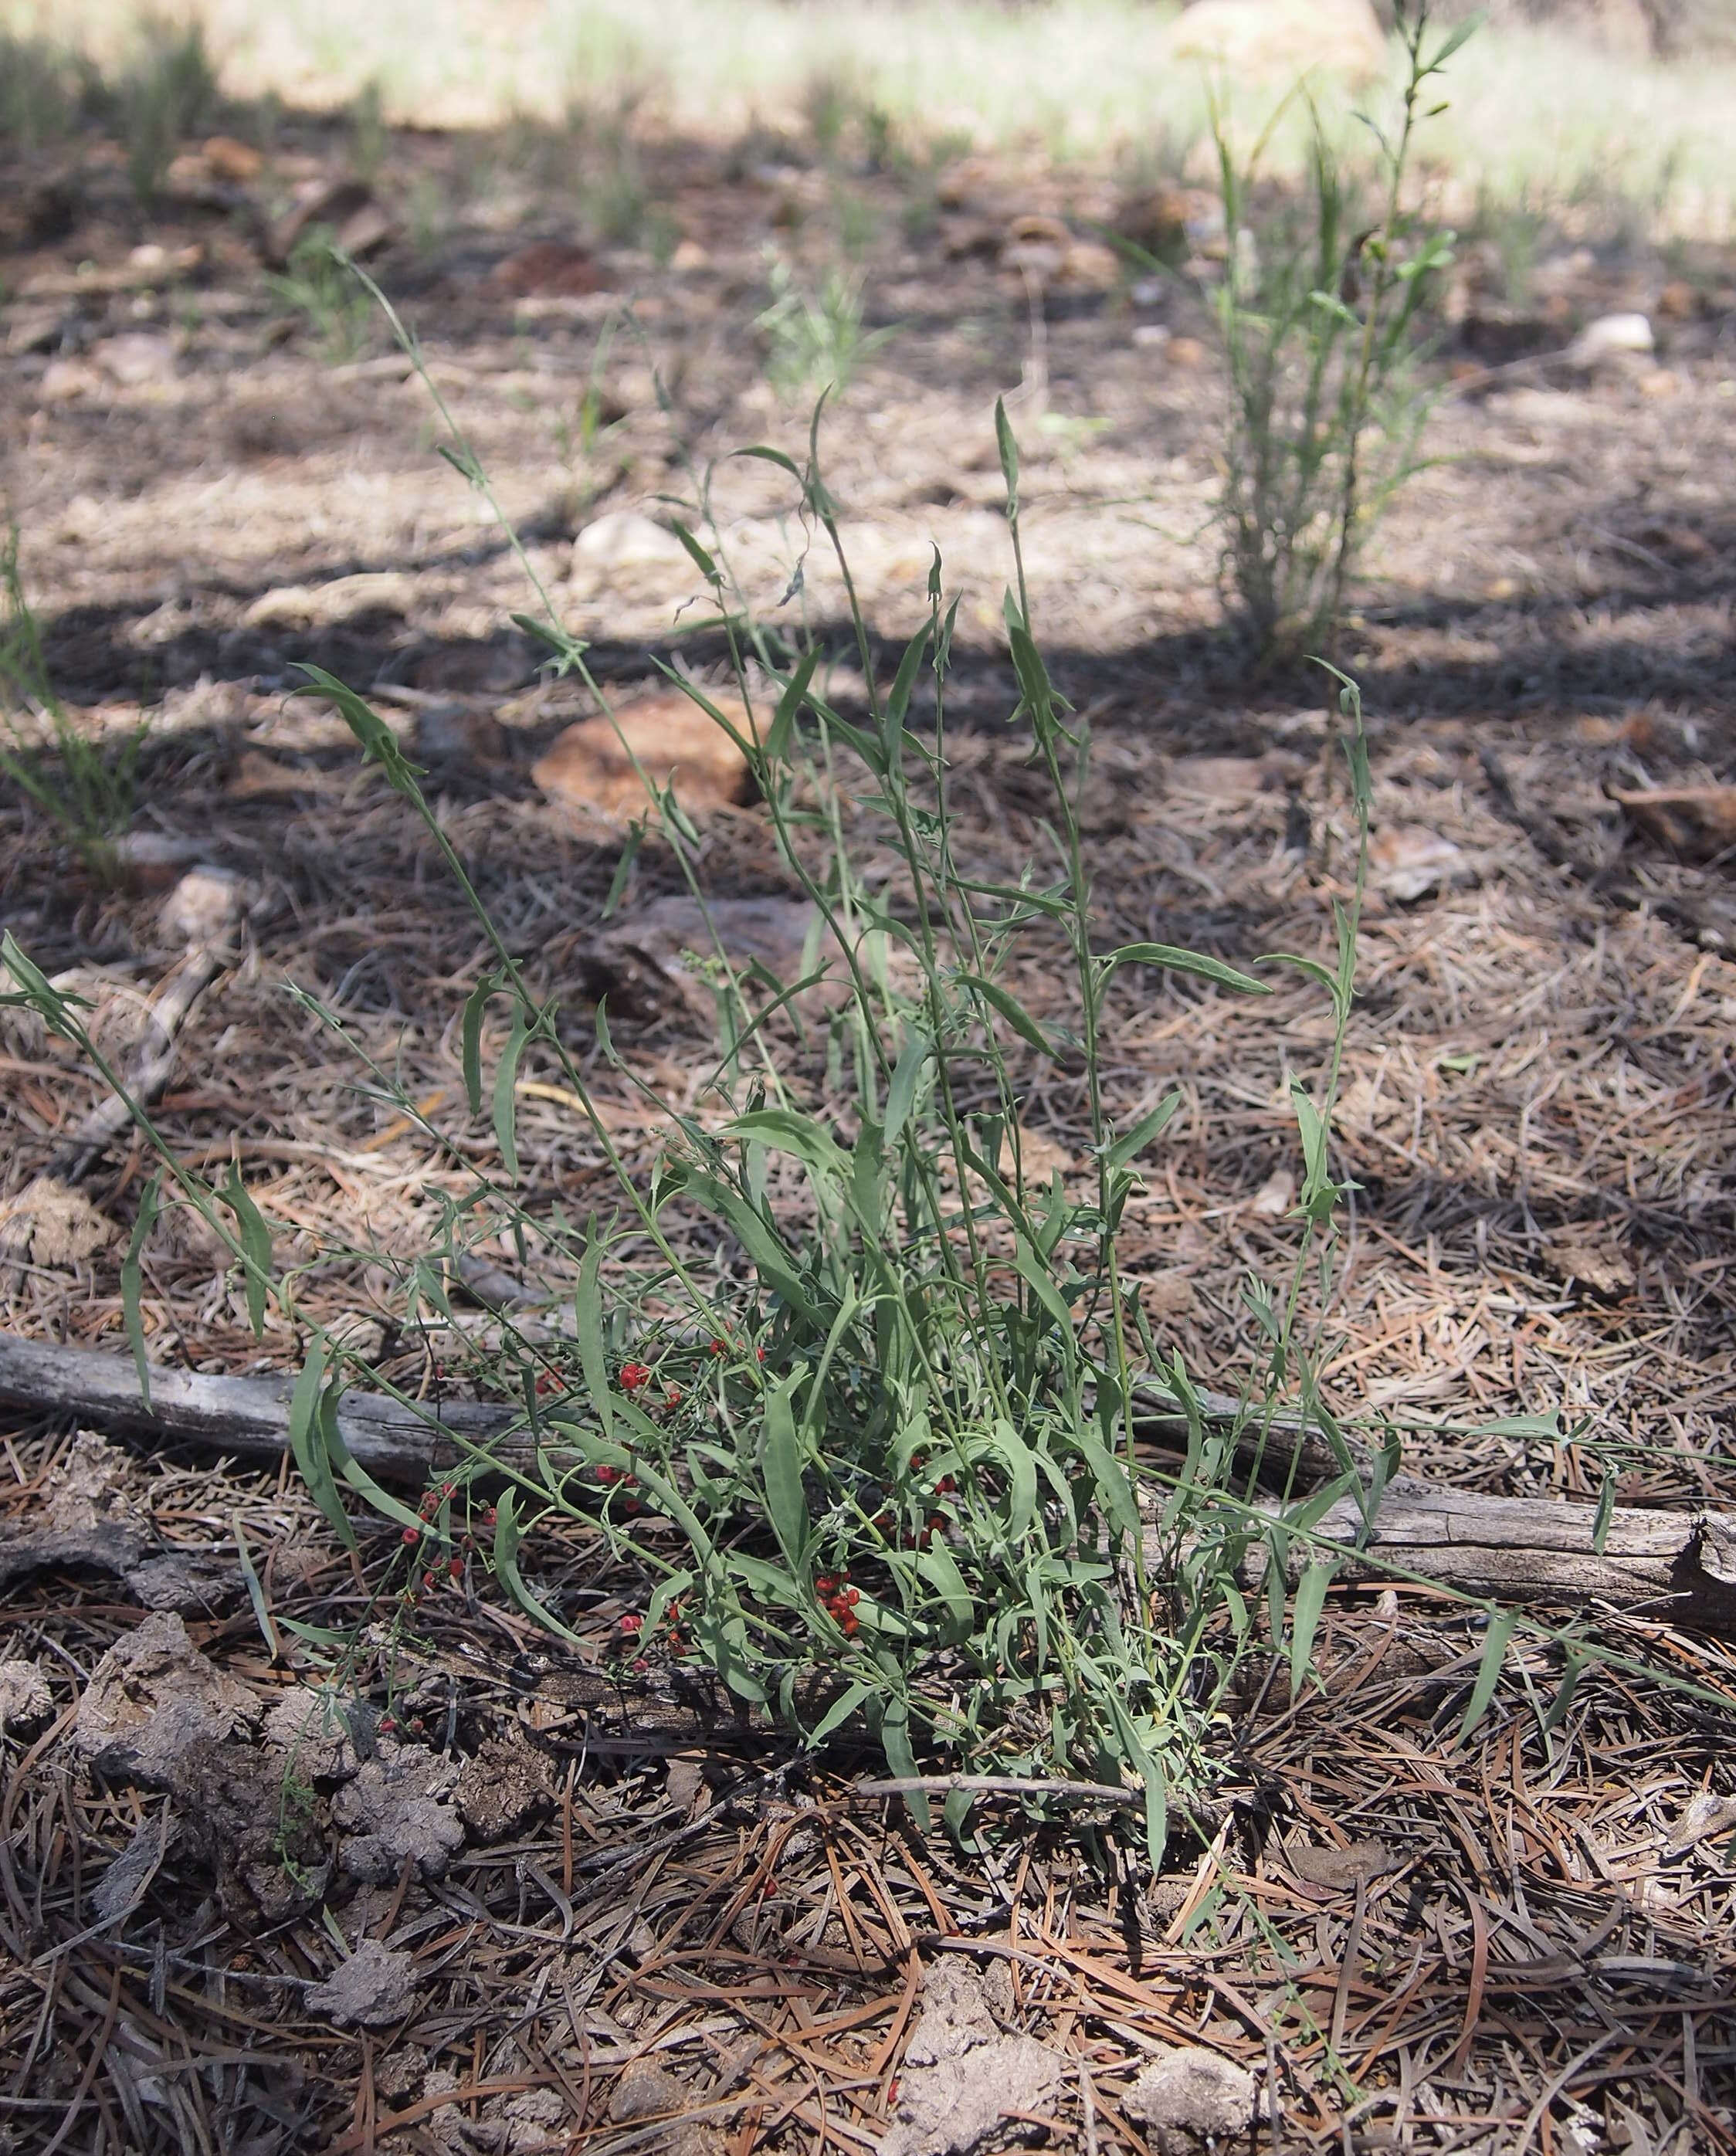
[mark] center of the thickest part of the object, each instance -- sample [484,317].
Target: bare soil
[1519,1940]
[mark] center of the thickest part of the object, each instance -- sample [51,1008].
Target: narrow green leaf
[130,1268]
[623,869]
[701,560]
[308,1447]
[940,1568]
[256,1249]
[1488,1670]
[1008,444]
[470,1034]
[1037,1275]
[1312,966]
[1011,1009]
[786,1130]
[1305,1606]
[1175,961]
[388,1507]
[784,719]
[903,683]
[507,1539]
[588,1309]
[256,1595]
[781,1465]
[902,1090]
[1579,1660]
[1021,1476]
[1605,1514]
[1114,1491]
[895,1742]
[839,1713]
[773,1260]
[1131,1143]
[506,1095]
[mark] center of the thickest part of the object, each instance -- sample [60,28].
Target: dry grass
[1534,112]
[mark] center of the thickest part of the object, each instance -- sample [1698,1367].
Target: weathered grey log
[1678,1567]
[248,1418]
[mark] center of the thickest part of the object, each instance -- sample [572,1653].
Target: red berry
[760,1355]
[632,1623]
[640,1666]
[388,1724]
[489,1516]
[455,1570]
[634,1375]
[720,1347]
[852,1597]
[412,1535]
[672,1398]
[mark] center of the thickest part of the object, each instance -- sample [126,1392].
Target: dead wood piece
[1679,1567]
[150,1070]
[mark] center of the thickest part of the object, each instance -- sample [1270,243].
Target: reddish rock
[588,766]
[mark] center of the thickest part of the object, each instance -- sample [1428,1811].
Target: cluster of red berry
[840,1599]
[724,1347]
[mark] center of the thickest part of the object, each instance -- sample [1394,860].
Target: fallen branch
[1677,1567]
[148,1073]
[1680,1567]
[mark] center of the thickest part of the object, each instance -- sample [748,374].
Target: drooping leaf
[1488,1670]
[506,1095]
[129,1269]
[1131,1143]
[1011,1009]
[588,1310]
[1305,1606]
[1174,960]
[470,1035]
[255,1248]
[781,1464]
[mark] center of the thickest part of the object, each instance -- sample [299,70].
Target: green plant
[370,137]
[318,286]
[582,432]
[1317,315]
[813,339]
[39,91]
[169,86]
[89,793]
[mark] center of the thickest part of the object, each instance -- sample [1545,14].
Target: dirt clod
[398,1805]
[1195,2092]
[27,1706]
[151,1700]
[373,1987]
[502,1789]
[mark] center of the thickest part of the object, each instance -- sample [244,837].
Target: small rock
[1275,1195]
[1357,1862]
[64,381]
[546,269]
[34,329]
[372,1988]
[644,2090]
[1185,352]
[955,2015]
[136,359]
[1591,1256]
[1410,860]
[227,159]
[644,961]
[625,540]
[1168,1294]
[449,733]
[204,907]
[346,207]
[345,598]
[398,1806]
[587,767]
[1704,1815]
[27,1706]
[151,1700]
[259,777]
[1610,338]
[1193,2091]
[689,258]
[1035,246]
